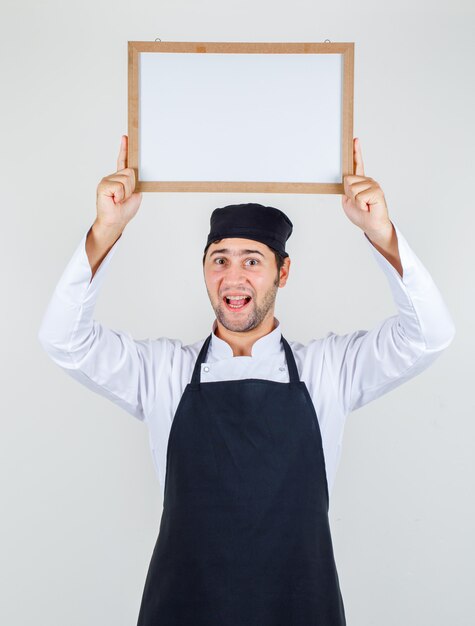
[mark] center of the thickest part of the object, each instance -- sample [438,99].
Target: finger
[122,158]
[350,181]
[360,186]
[118,186]
[358,158]
[352,178]
[126,180]
[128,172]
[362,200]
[365,199]
[112,189]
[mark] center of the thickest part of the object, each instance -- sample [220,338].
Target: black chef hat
[251,221]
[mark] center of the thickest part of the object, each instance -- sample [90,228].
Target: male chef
[245,426]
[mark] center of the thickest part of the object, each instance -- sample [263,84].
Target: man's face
[242,281]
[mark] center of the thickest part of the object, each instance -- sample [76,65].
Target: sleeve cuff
[75,285]
[417,297]
[407,256]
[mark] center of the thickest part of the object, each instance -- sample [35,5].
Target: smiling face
[242,281]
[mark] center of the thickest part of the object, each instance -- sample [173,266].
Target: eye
[219,259]
[253,261]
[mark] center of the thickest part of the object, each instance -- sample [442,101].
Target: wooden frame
[137,80]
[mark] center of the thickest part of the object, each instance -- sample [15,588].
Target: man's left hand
[363,201]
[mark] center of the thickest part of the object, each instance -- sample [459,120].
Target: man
[245,427]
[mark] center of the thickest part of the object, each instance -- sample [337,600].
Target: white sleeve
[366,364]
[109,362]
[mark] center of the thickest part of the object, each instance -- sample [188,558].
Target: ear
[284,272]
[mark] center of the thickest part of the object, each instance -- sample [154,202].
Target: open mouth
[236,303]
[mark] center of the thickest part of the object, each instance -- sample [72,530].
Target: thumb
[358,158]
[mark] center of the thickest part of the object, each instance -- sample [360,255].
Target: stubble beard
[254,317]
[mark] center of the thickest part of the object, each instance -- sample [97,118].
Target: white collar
[268,344]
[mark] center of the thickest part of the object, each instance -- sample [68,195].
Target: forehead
[237,244]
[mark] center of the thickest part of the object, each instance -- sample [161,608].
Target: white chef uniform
[342,372]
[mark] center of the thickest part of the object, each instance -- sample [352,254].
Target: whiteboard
[239,117]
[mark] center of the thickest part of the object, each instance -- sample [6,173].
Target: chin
[233,324]
[241,325]
[238,328]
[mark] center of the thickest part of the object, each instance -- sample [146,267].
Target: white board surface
[240,117]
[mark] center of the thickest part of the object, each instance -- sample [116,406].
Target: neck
[242,342]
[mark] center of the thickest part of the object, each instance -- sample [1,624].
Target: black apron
[244,536]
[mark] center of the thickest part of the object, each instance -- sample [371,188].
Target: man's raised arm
[366,364]
[109,362]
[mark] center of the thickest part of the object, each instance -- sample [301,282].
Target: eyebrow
[236,253]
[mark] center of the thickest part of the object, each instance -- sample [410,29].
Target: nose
[234,276]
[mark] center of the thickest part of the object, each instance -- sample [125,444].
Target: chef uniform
[244,537]
[244,533]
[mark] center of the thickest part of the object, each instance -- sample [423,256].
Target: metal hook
[158,39]
[327,40]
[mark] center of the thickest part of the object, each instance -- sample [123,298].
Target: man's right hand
[117,203]
[116,206]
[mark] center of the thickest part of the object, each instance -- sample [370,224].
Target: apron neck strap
[195,379]
[293,372]
[292,366]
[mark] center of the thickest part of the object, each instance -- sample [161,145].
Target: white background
[79,499]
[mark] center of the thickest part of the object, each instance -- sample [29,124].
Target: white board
[240,117]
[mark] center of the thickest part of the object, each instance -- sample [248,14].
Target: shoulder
[175,352]
[323,350]
[313,347]
[308,356]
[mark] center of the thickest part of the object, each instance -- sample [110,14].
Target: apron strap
[195,379]
[292,366]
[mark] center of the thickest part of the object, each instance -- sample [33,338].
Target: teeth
[230,299]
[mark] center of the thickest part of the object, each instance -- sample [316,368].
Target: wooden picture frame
[240,117]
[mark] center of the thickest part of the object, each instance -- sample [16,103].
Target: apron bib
[244,536]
